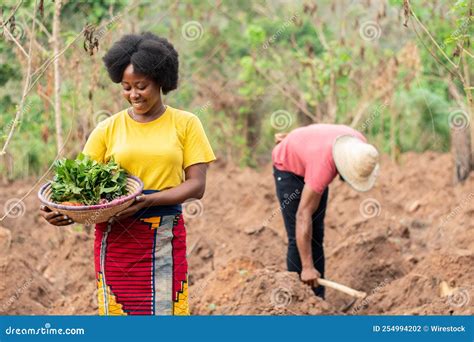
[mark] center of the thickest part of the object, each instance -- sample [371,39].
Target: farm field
[408,243]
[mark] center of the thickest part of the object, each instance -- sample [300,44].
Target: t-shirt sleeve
[95,146]
[197,148]
[319,174]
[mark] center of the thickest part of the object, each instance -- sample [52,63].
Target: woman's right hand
[54,217]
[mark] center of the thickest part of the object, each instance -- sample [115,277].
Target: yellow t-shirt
[157,152]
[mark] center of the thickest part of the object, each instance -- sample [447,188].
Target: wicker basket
[90,214]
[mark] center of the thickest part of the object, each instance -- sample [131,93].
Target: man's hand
[310,276]
[304,233]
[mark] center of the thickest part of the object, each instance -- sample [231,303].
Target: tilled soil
[408,243]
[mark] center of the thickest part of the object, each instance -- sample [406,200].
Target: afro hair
[149,54]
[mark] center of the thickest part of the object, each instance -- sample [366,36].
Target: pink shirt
[307,152]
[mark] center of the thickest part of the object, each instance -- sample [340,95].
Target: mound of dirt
[421,291]
[31,292]
[379,261]
[245,287]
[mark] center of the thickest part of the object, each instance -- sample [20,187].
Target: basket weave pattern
[90,214]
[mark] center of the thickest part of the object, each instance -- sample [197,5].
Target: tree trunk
[460,122]
[57,77]
[303,119]
[461,150]
[253,128]
[462,128]
[393,138]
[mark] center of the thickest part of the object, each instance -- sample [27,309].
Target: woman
[140,255]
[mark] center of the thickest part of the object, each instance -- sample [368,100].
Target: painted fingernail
[70,221]
[56,212]
[65,217]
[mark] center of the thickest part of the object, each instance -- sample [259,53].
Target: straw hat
[356,161]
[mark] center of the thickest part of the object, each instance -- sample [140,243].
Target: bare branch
[12,14]
[41,70]
[37,44]
[19,111]
[284,93]
[365,103]
[57,76]
[429,35]
[40,24]
[29,84]
[468,53]
[11,37]
[454,73]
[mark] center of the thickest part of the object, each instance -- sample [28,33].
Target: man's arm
[304,233]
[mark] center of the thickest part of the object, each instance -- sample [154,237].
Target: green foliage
[86,181]
[253,50]
[256,35]
[7,72]
[92,11]
[424,117]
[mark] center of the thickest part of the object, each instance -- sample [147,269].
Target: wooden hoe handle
[342,288]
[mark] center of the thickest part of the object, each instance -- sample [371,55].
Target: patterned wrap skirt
[141,266]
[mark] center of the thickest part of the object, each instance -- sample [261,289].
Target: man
[304,164]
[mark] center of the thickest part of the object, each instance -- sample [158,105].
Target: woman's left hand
[140,203]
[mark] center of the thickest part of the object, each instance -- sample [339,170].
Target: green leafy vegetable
[86,181]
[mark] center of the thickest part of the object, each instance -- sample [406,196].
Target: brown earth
[402,243]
